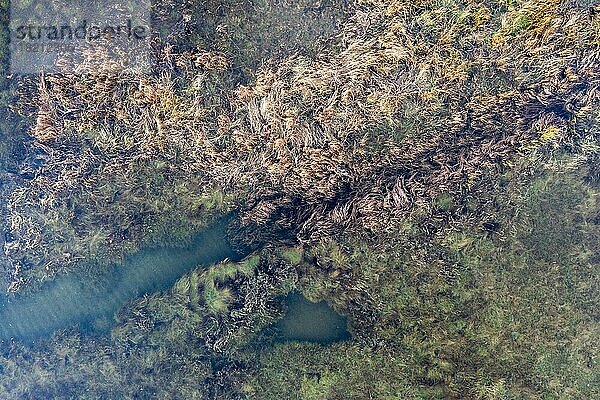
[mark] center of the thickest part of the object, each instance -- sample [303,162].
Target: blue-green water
[71,300]
[311,322]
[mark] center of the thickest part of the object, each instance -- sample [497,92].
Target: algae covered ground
[429,169]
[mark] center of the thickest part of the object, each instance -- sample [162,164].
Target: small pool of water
[311,322]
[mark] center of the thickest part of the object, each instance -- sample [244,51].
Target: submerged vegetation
[430,171]
[464,313]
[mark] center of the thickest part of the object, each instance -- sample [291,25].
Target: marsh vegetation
[430,171]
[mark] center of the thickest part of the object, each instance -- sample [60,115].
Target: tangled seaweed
[432,173]
[415,102]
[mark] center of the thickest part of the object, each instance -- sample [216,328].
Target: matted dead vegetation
[417,100]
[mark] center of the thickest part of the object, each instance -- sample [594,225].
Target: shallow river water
[71,300]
